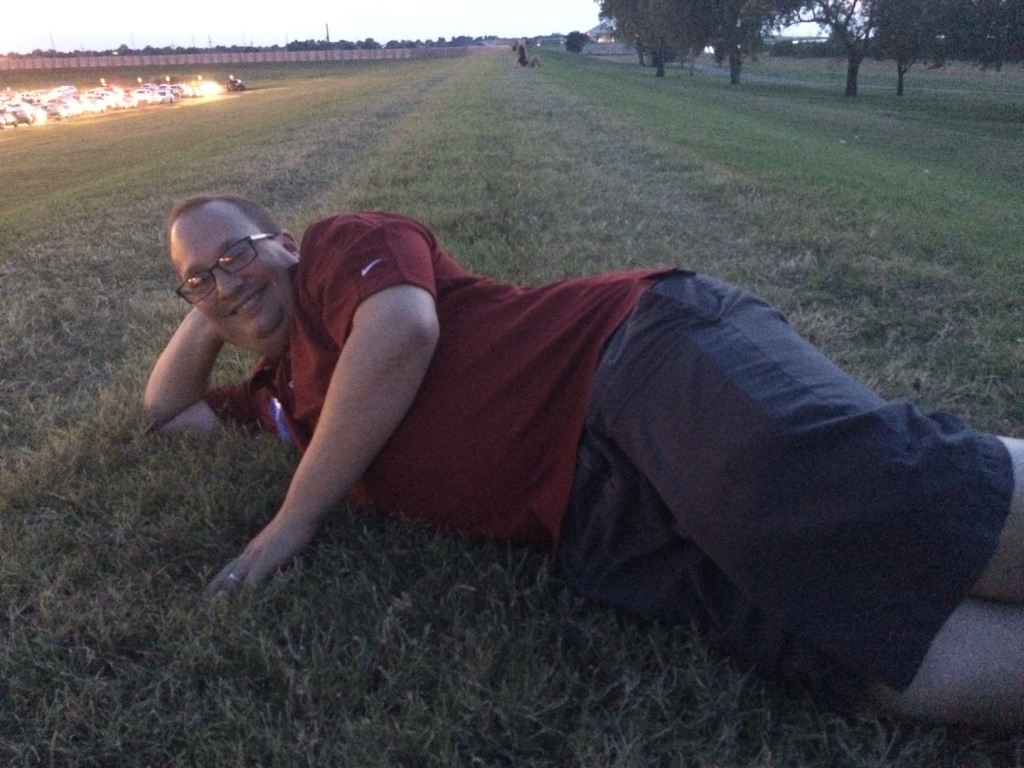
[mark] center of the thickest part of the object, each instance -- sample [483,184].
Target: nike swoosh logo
[370,266]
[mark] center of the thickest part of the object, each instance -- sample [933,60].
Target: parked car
[73,105]
[165,94]
[61,92]
[24,114]
[93,103]
[56,110]
[111,97]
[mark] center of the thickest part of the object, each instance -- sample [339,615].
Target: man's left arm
[380,370]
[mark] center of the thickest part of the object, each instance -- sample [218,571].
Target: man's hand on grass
[275,545]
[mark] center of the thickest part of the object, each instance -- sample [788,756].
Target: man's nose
[227,283]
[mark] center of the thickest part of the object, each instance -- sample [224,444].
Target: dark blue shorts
[730,475]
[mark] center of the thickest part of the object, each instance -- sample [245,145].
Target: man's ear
[289,241]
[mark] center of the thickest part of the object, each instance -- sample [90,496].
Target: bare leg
[973,673]
[1003,579]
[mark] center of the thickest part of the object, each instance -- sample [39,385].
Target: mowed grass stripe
[864,160]
[518,183]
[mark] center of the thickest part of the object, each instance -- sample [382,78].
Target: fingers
[271,549]
[230,581]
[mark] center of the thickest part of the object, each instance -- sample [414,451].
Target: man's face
[251,308]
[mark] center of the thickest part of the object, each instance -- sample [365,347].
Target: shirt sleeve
[347,259]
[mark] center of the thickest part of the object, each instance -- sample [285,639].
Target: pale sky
[70,25]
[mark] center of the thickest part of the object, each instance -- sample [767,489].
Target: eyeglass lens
[237,256]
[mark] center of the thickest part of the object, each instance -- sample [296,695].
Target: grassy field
[889,231]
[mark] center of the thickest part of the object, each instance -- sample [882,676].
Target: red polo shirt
[489,445]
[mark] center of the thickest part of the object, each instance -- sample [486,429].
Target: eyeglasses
[236,257]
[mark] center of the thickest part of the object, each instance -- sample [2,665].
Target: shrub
[575,41]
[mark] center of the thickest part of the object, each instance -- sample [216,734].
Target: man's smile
[248,303]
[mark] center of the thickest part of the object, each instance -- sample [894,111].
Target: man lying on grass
[686,455]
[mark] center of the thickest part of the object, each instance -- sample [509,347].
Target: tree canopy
[985,32]
[909,31]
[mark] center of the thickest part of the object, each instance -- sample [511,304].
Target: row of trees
[987,32]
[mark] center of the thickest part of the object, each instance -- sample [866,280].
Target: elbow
[197,417]
[154,410]
[157,414]
[160,401]
[161,410]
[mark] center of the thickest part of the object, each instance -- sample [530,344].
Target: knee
[1003,578]
[973,673]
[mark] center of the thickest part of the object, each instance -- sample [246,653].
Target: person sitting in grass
[521,55]
[684,453]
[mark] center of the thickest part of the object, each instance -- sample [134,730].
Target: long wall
[212,57]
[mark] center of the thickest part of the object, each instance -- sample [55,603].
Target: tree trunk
[901,70]
[735,64]
[658,60]
[852,70]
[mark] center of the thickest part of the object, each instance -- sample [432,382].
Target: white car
[164,94]
[73,104]
[92,103]
[56,110]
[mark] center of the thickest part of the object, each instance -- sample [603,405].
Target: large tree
[734,27]
[909,31]
[852,24]
[651,25]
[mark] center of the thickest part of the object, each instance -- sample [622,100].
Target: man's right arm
[173,400]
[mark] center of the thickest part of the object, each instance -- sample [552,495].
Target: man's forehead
[215,216]
[209,229]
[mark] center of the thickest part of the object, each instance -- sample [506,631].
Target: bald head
[263,219]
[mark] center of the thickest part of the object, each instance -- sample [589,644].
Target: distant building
[602,33]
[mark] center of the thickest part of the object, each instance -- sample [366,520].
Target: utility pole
[327,30]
